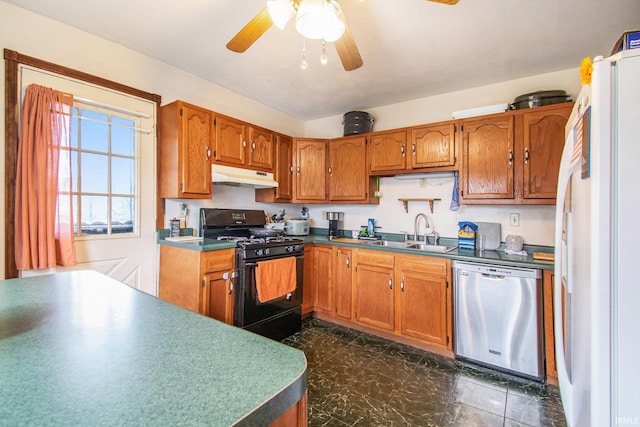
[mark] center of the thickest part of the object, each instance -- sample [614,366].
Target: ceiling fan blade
[451,2]
[346,47]
[251,32]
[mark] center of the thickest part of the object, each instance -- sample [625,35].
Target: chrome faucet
[416,226]
[435,237]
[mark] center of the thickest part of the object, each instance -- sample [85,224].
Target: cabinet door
[543,142]
[308,283]
[322,260]
[387,152]
[433,146]
[217,296]
[230,141]
[195,151]
[261,151]
[424,299]
[342,282]
[284,167]
[311,170]
[348,179]
[423,307]
[487,158]
[374,305]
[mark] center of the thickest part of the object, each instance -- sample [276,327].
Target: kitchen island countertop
[79,348]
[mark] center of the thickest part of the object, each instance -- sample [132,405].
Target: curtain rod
[111,107]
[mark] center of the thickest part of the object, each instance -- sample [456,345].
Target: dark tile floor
[356,379]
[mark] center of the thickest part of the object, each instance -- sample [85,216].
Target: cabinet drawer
[218,260]
[377,258]
[433,266]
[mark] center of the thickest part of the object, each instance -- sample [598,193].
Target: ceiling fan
[305,12]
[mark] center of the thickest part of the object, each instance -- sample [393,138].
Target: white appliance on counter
[596,284]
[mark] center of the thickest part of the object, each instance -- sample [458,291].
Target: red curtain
[44,215]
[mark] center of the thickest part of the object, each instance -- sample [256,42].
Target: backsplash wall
[536,222]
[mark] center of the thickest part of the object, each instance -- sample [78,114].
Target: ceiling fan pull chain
[303,63]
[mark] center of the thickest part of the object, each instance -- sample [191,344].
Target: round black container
[540,98]
[356,122]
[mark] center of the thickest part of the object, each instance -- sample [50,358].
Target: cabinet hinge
[181,112]
[181,187]
[455,128]
[214,122]
[461,128]
[447,339]
[203,283]
[214,154]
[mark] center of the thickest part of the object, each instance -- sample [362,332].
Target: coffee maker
[335,221]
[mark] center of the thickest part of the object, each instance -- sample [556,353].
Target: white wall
[40,37]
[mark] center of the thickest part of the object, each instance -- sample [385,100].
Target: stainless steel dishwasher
[498,317]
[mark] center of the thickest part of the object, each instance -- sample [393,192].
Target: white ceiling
[410,48]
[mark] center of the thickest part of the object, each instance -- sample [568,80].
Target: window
[104,165]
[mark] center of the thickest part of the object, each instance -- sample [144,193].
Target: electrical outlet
[423,182]
[514,220]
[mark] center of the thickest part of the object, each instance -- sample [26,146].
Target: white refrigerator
[597,264]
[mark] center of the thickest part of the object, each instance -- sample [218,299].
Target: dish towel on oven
[275,278]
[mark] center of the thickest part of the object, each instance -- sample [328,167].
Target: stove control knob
[259,252]
[266,251]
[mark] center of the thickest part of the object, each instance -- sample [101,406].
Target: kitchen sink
[430,248]
[410,245]
[388,243]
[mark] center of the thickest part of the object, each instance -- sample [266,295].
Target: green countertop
[497,257]
[79,348]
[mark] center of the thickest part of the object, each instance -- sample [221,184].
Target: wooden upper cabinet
[284,167]
[348,178]
[543,142]
[310,182]
[387,152]
[230,144]
[184,151]
[513,157]
[261,148]
[487,158]
[433,146]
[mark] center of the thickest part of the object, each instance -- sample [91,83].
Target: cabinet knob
[253,145]
[348,262]
[244,143]
[330,171]
[510,157]
[291,169]
[402,284]
[390,281]
[526,155]
[413,148]
[402,149]
[298,169]
[208,153]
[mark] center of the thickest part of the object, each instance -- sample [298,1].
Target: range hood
[236,176]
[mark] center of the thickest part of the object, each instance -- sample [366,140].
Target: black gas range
[277,318]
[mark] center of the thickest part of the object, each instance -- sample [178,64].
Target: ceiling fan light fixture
[318,19]
[280,11]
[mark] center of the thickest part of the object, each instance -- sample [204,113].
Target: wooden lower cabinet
[308,282]
[374,296]
[322,262]
[550,349]
[424,298]
[198,281]
[342,282]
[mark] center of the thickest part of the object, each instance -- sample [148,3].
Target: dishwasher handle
[492,276]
